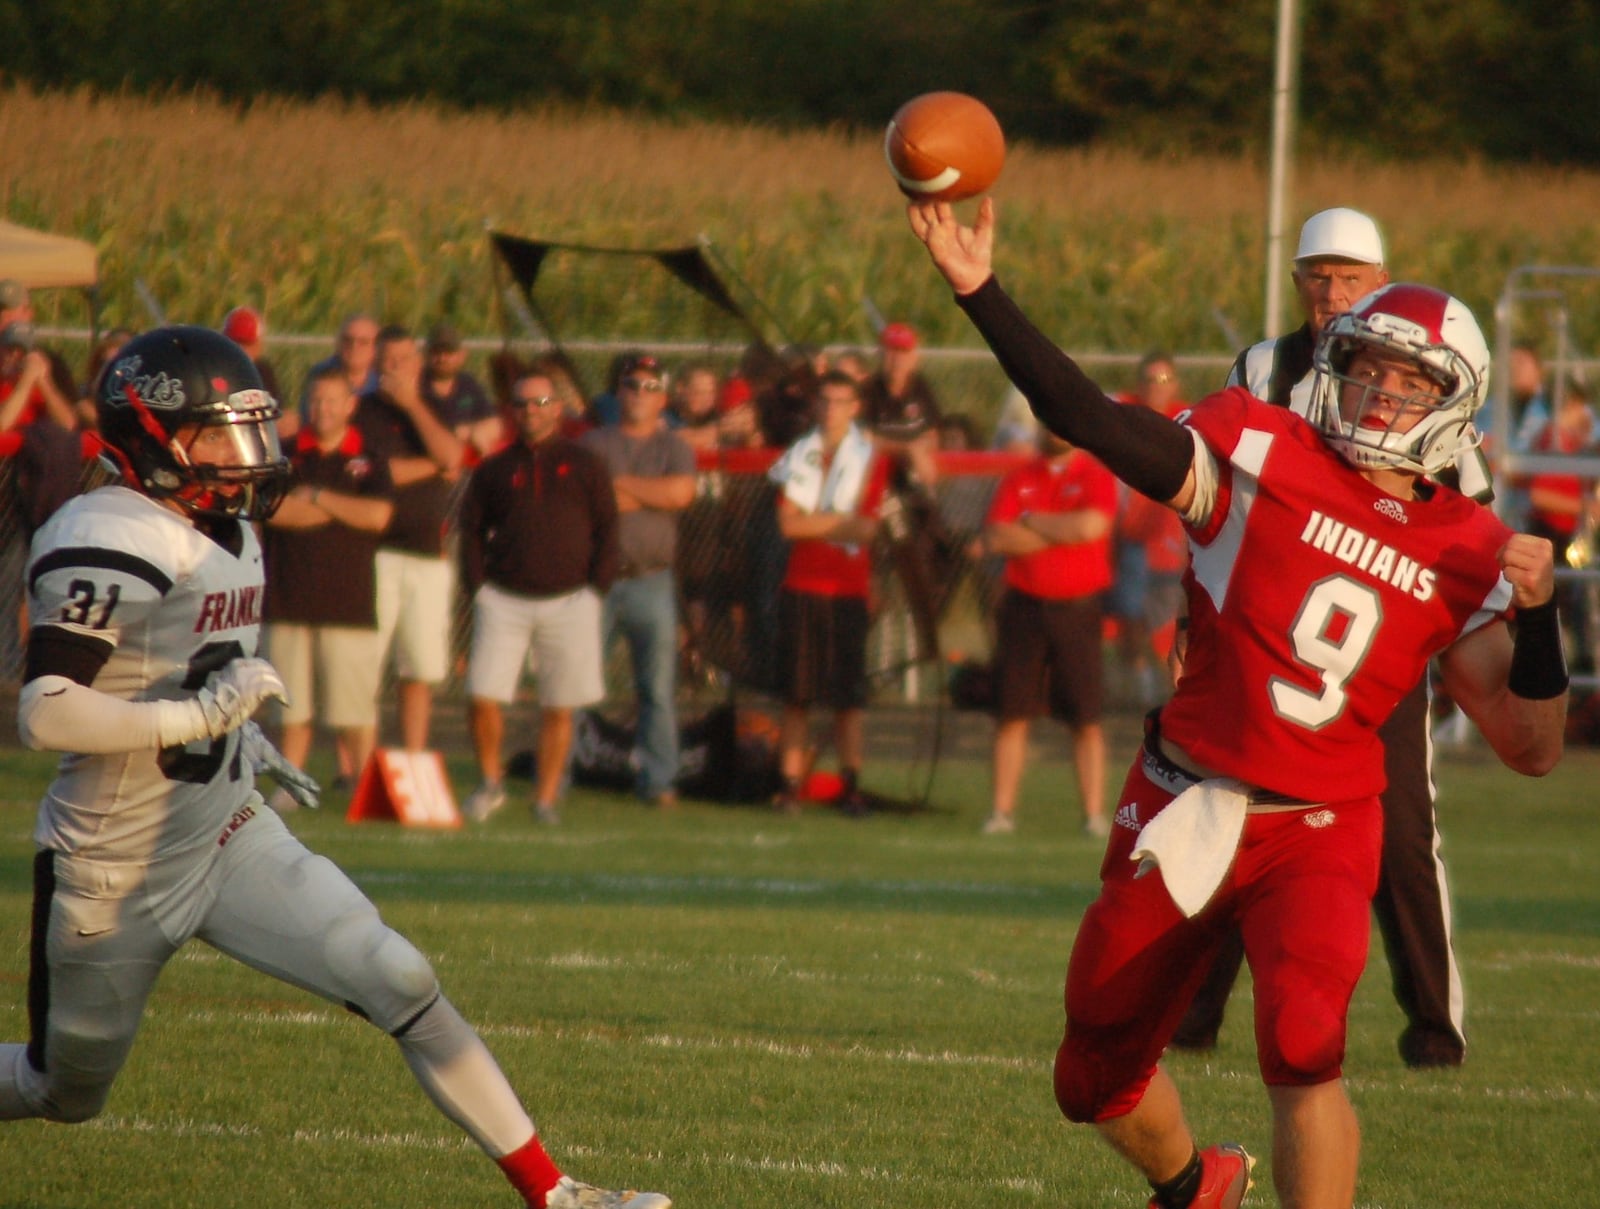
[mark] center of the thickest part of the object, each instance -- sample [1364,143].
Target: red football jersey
[1078,484]
[1315,603]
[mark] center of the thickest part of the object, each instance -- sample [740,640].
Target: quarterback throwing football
[1327,568]
[146,606]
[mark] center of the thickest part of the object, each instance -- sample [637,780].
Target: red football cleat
[1224,1177]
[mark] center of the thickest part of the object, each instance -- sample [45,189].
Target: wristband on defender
[1538,664]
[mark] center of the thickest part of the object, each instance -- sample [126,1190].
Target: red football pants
[1300,890]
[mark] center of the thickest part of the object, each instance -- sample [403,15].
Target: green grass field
[749,1010]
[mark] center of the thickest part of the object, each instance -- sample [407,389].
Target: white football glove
[235,691]
[230,695]
[267,760]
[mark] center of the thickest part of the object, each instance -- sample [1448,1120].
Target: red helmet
[243,325]
[1437,334]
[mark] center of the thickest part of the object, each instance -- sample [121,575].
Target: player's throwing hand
[962,254]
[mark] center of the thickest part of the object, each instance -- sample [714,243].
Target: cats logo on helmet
[166,386]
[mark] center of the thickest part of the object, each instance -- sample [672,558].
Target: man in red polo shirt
[831,484]
[1052,521]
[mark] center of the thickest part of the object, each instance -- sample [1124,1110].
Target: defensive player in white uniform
[141,668]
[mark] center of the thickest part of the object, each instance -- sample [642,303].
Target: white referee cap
[1340,234]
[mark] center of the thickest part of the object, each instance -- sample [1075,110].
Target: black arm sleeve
[56,651]
[1143,448]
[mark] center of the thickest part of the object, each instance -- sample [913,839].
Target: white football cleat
[570,1194]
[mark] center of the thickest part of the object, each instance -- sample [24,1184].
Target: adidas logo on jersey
[1392,508]
[1318,819]
[1128,816]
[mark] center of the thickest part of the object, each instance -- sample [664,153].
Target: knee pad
[65,1096]
[387,980]
[1306,1045]
[1091,1084]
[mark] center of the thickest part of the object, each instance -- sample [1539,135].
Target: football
[944,146]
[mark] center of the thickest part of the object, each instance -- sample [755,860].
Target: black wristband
[1538,664]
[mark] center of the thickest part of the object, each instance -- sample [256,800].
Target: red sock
[531,1172]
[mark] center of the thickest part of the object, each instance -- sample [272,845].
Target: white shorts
[564,633]
[345,662]
[416,593]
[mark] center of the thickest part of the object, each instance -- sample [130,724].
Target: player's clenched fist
[1529,565]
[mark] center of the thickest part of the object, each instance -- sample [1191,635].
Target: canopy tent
[40,260]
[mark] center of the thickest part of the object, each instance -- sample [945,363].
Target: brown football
[944,146]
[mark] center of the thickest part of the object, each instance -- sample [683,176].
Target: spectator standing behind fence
[416,582]
[321,599]
[355,351]
[738,425]
[57,388]
[1561,509]
[538,546]
[49,460]
[1149,548]
[28,390]
[558,367]
[831,484]
[898,405]
[1530,412]
[1051,520]
[1016,431]
[246,328]
[652,472]
[457,397]
[1530,405]
[786,405]
[605,408]
[695,414]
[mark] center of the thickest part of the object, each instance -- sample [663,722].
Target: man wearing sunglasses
[538,547]
[652,471]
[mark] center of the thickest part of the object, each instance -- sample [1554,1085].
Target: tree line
[1500,79]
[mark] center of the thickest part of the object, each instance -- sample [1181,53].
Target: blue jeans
[645,611]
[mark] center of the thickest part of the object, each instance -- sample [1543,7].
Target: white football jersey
[173,605]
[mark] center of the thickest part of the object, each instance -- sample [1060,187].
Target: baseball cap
[1340,234]
[900,336]
[16,335]
[243,325]
[641,363]
[12,294]
[444,336]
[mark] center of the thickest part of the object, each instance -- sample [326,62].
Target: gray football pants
[103,932]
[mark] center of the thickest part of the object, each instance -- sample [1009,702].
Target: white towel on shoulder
[799,472]
[1194,839]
